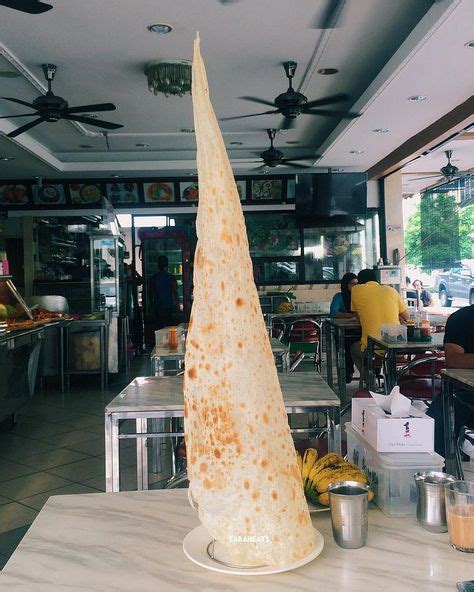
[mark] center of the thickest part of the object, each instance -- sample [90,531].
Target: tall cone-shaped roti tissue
[242,467]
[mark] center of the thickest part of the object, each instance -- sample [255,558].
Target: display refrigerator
[174,244]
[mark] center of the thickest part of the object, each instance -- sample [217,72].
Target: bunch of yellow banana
[284,307]
[318,474]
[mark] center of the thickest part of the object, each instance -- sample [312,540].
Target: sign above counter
[127,193]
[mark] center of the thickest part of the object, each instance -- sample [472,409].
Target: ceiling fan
[51,107]
[273,157]
[290,104]
[449,171]
[29,6]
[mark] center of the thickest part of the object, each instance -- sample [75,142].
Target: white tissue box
[413,433]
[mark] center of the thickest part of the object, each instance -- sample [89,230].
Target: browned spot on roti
[257,508]
[240,344]
[247,519]
[274,494]
[194,343]
[217,453]
[222,286]
[192,459]
[264,463]
[256,495]
[192,373]
[213,190]
[302,517]
[238,239]
[246,484]
[276,538]
[207,483]
[185,409]
[239,302]
[265,418]
[207,366]
[226,237]
[203,467]
[194,406]
[270,478]
[242,405]
[250,428]
[209,327]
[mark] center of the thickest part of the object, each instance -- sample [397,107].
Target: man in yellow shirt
[375,305]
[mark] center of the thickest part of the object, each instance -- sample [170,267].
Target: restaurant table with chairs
[390,351]
[161,398]
[336,331]
[162,354]
[133,541]
[452,379]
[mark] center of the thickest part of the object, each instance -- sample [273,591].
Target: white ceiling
[385,51]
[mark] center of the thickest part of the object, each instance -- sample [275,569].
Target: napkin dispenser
[390,423]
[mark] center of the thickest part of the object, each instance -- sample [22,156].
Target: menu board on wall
[267,189]
[85,193]
[122,193]
[48,195]
[13,195]
[189,191]
[158,192]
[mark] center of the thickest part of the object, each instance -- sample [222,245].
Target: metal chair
[305,335]
[278,329]
[420,378]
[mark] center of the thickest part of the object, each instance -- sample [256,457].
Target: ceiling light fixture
[336,170]
[236,143]
[170,77]
[417,98]
[116,176]
[187,130]
[470,44]
[293,142]
[356,152]
[85,146]
[327,71]
[142,145]
[160,28]
[380,130]
[6,158]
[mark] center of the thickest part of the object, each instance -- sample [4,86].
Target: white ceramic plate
[195,546]
[317,507]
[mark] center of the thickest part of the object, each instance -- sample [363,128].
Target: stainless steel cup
[349,506]
[430,504]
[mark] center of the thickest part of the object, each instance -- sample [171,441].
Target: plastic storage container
[391,474]
[393,333]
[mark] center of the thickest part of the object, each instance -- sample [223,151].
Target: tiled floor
[57,448]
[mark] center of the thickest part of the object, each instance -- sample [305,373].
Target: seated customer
[423,295]
[459,353]
[375,305]
[340,309]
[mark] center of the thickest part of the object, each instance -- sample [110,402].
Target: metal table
[162,354]
[149,398]
[133,541]
[453,378]
[391,350]
[335,332]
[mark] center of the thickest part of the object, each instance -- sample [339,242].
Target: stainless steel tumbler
[349,507]
[430,503]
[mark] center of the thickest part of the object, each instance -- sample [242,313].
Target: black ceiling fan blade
[328,113]
[307,157]
[331,16]
[23,115]
[26,127]
[29,6]
[330,100]
[19,101]
[91,108]
[296,165]
[251,115]
[259,100]
[428,177]
[90,121]
[288,123]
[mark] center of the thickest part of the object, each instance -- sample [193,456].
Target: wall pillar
[394,218]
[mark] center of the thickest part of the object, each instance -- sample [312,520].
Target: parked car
[456,283]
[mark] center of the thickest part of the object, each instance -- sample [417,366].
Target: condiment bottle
[425,329]
[173,338]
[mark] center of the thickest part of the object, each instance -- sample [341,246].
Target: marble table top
[435,343]
[155,393]
[162,351]
[461,375]
[344,323]
[132,541]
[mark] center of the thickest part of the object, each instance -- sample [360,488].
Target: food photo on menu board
[85,193]
[47,194]
[13,195]
[158,192]
[189,191]
[118,193]
[242,189]
[267,189]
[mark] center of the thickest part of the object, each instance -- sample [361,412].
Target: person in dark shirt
[459,353]
[425,297]
[164,293]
